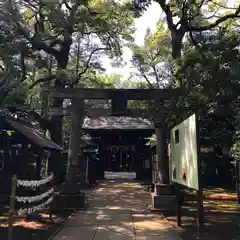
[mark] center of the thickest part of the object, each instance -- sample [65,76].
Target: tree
[208,67]
[152,60]
[12,67]
[53,27]
[66,39]
[184,17]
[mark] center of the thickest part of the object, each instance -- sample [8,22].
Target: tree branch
[87,64]
[225,7]
[168,13]
[4,78]
[23,67]
[193,39]
[145,77]
[156,74]
[67,5]
[49,78]
[216,23]
[36,43]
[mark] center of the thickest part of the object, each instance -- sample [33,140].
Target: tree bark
[55,124]
[176,44]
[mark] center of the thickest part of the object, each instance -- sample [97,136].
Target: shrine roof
[117,123]
[30,132]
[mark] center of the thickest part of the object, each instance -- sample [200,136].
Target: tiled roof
[113,122]
[32,134]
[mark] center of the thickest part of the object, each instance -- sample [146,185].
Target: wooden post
[51,208]
[200,210]
[12,208]
[238,181]
[178,196]
[45,103]
[87,168]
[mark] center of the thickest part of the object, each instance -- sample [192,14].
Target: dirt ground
[222,217]
[38,228]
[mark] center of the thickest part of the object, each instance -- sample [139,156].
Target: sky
[147,20]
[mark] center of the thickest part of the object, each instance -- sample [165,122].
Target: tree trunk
[55,130]
[176,47]
[56,124]
[176,43]
[56,121]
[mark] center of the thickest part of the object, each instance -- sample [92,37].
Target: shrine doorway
[120,159]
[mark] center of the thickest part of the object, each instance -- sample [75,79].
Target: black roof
[115,122]
[30,132]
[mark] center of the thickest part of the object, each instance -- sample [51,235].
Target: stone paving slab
[149,222]
[117,210]
[100,218]
[77,233]
[114,232]
[145,237]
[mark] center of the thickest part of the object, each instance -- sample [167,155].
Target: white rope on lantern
[34,198]
[22,211]
[34,183]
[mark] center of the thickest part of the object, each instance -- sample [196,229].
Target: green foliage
[152,141]
[213,66]
[109,81]
[13,89]
[67,126]
[152,60]
[235,151]
[184,17]
[67,38]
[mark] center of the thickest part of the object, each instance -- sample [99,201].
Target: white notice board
[184,154]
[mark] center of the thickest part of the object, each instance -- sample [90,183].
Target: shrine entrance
[122,144]
[120,159]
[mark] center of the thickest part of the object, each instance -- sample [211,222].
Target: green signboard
[184,154]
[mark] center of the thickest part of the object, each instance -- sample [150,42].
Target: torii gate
[119,107]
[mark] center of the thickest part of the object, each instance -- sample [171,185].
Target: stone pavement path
[117,210]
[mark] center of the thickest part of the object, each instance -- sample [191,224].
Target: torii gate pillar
[162,156]
[74,144]
[163,196]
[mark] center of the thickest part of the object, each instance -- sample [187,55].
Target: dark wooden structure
[119,107]
[121,144]
[22,150]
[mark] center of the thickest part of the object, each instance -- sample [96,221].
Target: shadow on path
[118,209]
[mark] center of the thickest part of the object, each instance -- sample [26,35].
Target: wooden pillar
[138,162]
[102,156]
[38,164]
[75,139]
[162,158]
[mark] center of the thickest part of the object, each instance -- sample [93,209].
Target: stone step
[163,189]
[164,202]
[73,201]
